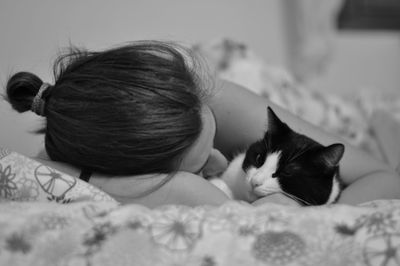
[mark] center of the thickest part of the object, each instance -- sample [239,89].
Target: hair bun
[22,87]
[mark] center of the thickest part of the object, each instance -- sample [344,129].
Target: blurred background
[333,46]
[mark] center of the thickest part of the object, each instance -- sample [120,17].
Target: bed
[51,218]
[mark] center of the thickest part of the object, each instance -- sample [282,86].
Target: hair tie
[38,103]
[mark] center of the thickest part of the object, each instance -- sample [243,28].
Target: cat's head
[287,162]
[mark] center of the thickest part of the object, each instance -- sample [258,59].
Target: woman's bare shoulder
[194,190]
[151,190]
[184,189]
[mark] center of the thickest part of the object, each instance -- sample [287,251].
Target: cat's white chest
[335,191]
[235,178]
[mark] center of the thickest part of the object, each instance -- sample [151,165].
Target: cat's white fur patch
[261,178]
[334,191]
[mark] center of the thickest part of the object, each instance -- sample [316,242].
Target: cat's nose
[255,183]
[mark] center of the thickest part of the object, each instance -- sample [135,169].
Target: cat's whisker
[296,198]
[288,195]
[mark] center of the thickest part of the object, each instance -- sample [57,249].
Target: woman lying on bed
[144,123]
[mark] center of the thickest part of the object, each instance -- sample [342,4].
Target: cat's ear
[332,154]
[275,125]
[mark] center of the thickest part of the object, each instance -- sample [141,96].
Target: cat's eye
[258,159]
[274,175]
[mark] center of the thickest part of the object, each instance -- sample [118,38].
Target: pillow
[24,179]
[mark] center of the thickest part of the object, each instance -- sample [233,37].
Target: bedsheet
[98,233]
[50,218]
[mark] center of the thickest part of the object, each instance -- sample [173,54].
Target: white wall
[362,61]
[338,61]
[32,32]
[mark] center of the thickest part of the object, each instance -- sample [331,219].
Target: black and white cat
[287,162]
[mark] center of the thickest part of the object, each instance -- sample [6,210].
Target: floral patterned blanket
[50,218]
[99,233]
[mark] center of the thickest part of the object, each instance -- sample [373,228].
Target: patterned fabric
[50,218]
[24,179]
[94,233]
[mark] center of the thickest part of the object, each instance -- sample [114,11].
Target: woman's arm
[242,118]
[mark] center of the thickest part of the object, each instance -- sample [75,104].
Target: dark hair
[134,109]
